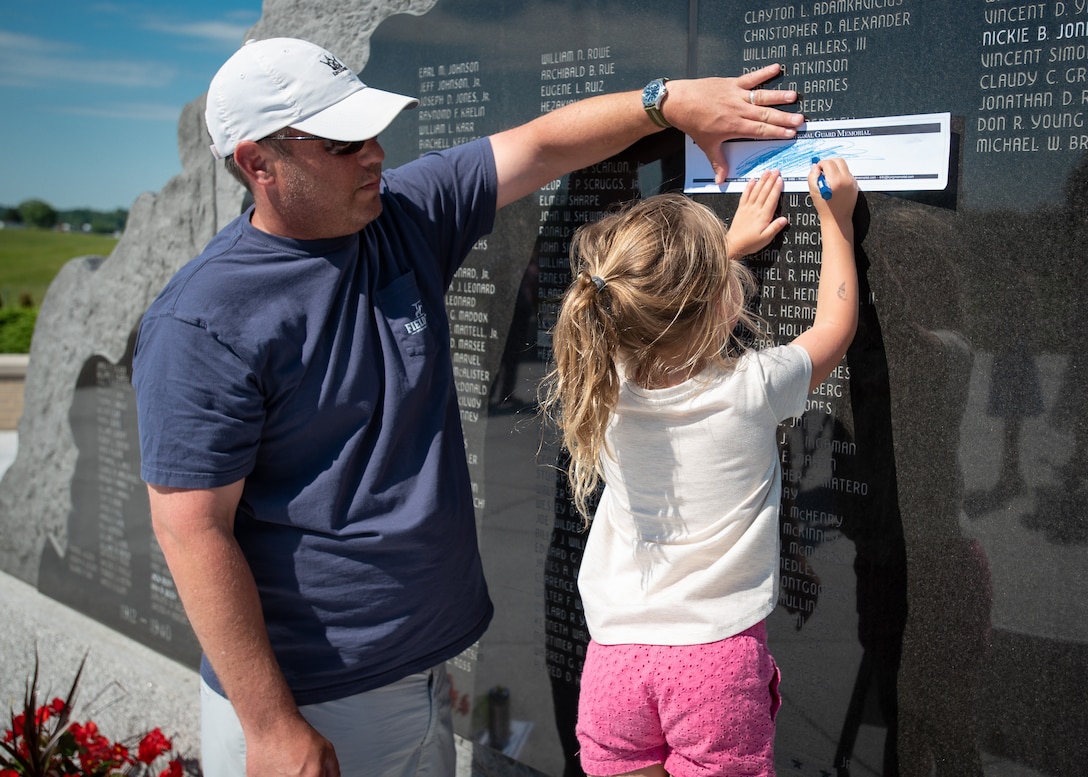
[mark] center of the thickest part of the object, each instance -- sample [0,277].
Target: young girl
[656,396]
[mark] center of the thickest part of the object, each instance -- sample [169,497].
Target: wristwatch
[652,97]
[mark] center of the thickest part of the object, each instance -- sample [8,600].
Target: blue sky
[92,92]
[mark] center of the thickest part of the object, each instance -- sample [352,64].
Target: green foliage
[16,329]
[31,258]
[44,216]
[37,213]
[100,222]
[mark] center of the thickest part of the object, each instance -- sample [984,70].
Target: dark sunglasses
[334,147]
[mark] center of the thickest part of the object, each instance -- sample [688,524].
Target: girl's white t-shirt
[683,548]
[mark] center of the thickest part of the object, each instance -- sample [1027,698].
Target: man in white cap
[298,421]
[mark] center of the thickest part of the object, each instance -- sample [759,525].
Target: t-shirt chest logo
[419,322]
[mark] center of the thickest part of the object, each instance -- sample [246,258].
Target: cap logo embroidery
[334,64]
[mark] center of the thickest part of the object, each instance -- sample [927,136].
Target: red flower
[95,750]
[173,769]
[76,749]
[84,732]
[152,746]
[47,711]
[17,724]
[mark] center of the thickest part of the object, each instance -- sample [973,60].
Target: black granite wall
[933,615]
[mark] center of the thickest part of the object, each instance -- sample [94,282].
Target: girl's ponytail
[581,392]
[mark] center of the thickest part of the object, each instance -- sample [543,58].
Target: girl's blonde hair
[655,294]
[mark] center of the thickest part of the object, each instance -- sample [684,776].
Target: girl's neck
[670,376]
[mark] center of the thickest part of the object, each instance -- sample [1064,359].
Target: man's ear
[256,162]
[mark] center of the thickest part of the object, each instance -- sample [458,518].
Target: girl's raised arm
[836,320]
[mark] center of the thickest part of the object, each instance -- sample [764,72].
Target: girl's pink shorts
[700,710]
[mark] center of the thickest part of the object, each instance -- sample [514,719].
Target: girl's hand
[755,224]
[843,186]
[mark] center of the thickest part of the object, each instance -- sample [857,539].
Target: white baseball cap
[286,82]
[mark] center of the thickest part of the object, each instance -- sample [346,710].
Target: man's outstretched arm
[708,110]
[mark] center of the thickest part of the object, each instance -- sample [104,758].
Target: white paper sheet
[885,153]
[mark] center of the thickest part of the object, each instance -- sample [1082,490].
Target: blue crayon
[821,182]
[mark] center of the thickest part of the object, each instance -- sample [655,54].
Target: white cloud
[210,30]
[31,61]
[15,41]
[228,26]
[125,111]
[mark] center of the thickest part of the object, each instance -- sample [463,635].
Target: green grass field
[31,258]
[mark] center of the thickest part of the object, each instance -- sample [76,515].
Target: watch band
[653,108]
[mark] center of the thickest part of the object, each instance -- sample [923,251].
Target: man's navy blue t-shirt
[319,372]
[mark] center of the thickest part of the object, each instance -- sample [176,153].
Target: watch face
[651,93]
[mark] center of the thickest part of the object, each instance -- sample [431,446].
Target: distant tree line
[40,214]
